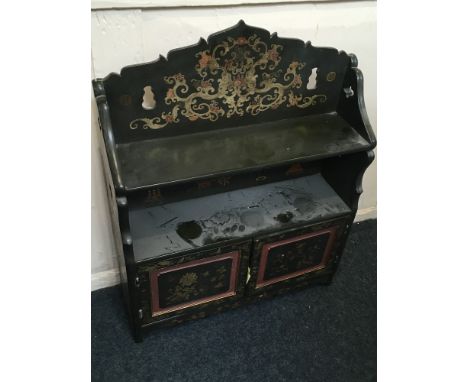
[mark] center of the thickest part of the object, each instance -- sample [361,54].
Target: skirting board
[111,277]
[105,279]
[366,213]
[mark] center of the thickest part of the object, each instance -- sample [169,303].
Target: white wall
[129,36]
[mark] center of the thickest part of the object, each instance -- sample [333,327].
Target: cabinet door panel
[296,255]
[193,284]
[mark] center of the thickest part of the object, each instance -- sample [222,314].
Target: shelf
[189,224]
[165,160]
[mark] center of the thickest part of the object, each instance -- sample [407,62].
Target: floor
[323,333]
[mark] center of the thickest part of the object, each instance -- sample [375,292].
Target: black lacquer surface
[159,161]
[293,257]
[193,223]
[182,286]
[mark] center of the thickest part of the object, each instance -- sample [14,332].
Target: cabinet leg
[137,335]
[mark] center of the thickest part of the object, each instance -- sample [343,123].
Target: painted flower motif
[241,40]
[169,118]
[179,77]
[292,100]
[205,84]
[297,80]
[206,60]
[188,279]
[239,80]
[273,55]
[170,93]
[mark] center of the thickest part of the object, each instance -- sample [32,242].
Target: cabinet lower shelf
[173,228]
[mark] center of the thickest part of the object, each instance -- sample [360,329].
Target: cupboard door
[296,255]
[195,282]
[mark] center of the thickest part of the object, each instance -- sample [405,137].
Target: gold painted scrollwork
[228,84]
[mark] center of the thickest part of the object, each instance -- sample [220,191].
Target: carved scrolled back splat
[236,77]
[229,83]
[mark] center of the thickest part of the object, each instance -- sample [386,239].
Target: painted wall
[130,36]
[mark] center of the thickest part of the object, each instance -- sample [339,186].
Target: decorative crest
[237,76]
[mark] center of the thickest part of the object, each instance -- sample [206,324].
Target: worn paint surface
[189,224]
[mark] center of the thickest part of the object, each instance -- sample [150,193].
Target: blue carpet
[323,333]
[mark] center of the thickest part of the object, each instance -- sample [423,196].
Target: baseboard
[105,279]
[111,277]
[366,213]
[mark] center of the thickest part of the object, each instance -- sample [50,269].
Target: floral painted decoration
[228,84]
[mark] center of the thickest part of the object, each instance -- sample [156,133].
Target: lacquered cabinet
[241,181]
